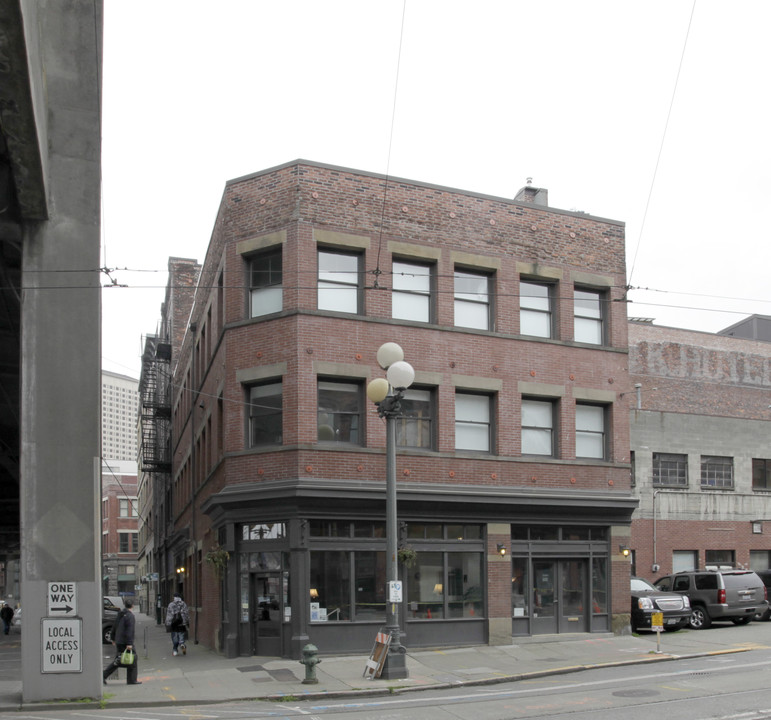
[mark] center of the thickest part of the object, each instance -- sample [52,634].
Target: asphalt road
[725,687]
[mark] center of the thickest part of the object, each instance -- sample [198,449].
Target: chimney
[532,195]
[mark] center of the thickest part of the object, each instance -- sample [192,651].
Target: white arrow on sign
[62,599]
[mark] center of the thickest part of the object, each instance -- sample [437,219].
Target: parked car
[646,600]
[735,595]
[109,614]
[765,576]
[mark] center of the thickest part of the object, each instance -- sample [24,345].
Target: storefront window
[464,585]
[600,585]
[259,561]
[426,587]
[370,574]
[520,607]
[263,531]
[330,586]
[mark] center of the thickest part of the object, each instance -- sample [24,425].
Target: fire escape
[154,389]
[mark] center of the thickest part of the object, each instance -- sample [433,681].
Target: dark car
[646,600]
[765,576]
[109,614]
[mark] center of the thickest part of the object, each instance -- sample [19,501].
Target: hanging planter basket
[407,556]
[218,558]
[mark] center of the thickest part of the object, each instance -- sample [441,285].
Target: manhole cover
[636,693]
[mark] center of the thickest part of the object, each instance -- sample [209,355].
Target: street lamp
[386,394]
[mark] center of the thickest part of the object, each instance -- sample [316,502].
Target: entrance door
[267,614]
[559,597]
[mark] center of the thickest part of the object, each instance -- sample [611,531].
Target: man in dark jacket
[123,639]
[6,614]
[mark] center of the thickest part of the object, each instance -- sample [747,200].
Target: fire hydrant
[310,660]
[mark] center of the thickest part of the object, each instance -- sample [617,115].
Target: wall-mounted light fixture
[314,594]
[438,589]
[501,549]
[624,550]
[180,571]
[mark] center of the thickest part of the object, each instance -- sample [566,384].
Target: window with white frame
[340,412]
[266,414]
[127,507]
[411,291]
[414,423]
[535,309]
[590,431]
[588,320]
[473,422]
[538,427]
[717,471]
[339,281]
[472,300]
[265,283]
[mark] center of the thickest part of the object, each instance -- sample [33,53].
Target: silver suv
[735,595]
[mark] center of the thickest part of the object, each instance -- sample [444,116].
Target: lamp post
[386,394]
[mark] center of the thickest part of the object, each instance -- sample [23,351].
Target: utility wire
[661,145]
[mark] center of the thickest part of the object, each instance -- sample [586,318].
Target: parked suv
[765,576]
[109,613]
[735,595]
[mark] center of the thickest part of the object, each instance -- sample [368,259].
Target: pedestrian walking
[177,622]
[6,615]
[123,639]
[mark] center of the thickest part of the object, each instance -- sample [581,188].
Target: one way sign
[62,599]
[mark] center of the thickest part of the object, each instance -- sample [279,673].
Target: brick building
[701,449]
[120,538]
[513,435]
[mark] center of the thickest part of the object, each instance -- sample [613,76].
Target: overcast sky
[651,112]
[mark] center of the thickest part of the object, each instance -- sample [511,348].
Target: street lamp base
[395,667]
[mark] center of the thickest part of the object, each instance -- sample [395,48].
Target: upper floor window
[265,278]
[588,316]
[717,471]
[338,287]
[670,469]
[761,474]
[473,422]
[127,508]
[415,420]
[590,431]
[535,309]
[128,542]
[411,295]
[266,414]
[537,427]
[339,412]
[472,300]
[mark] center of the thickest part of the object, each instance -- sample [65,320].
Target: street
[724,687]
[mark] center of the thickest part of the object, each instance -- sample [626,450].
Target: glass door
[267,615]
[560,597]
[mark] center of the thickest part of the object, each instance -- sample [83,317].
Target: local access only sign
[61,632]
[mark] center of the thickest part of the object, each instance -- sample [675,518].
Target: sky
[651,112]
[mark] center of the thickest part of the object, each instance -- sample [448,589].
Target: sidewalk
[202,676]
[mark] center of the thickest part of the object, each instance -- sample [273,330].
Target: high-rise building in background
[120,407]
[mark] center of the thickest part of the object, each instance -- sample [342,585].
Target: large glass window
[338,287]
[265,283]
[472,300]
[426,587]
[761,474]
[588,316]
[414,422]
[590,431]
[535,309]
[538,427]
[670,469]
[411,295]
[265,414]
[339,412]
[473,422]
[520,602]
[717,472]
[369,588]
[330,593]
[464,585]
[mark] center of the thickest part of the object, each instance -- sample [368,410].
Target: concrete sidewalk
[203,677]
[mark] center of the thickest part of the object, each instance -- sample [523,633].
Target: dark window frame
[341,282]
[489,303]
[268,278]
[264,411]
[550,312]
[601,322]
[673,465]
[715,473]
[430,294]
